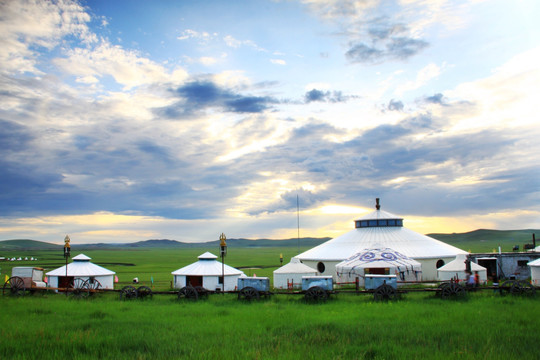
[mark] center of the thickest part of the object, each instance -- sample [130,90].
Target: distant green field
[420,326]
[489,240]
[157,263]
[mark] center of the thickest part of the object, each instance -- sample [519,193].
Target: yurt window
[378,223]
[321,267]
[377,271]
[439,263]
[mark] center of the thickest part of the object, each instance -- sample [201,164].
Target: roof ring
[377,205]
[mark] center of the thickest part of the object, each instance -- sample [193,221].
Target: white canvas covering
[210,270]
[292,273]
[405,268]
[81,267]
[456,270]
[535,272]
[424,249]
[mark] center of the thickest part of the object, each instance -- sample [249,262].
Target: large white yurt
[82,268]
[535,272]
[381,228]
[379,262]
[208,273]
[289,276]
[456,270]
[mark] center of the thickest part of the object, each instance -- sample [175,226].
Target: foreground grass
[486,326]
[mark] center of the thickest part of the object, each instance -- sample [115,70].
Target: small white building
[289,276]
[456,270]
[81,267]
[208,273]
[378,262]
[535,272]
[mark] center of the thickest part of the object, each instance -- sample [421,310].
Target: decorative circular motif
[388,256]
[367,256]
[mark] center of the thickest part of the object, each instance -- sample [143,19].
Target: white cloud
[128,68]
[423,77]
[278,62]
[25,25]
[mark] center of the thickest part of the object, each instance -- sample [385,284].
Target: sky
[124,121]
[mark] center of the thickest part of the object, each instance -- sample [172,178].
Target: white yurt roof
[207,266]
[534,263]
[380,258]
[295,267]
[81,266]
[381,228]
[458,264]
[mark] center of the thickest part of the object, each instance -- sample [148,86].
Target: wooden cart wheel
[93,286]
[452,291]
[144,292]
[527,288]
[458,290]
[80,288]
[249,293]
[385,292]
[188,292]
[128,292]
[511,287]
[201,292]
[14,286]
[316,294]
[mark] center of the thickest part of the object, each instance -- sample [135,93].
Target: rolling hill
[479,240]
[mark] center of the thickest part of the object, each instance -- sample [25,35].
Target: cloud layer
[113,141]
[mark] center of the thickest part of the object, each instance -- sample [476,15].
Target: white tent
[535,272]
[81,267]
[381,262]
[381,228]
[290,275]
[207,272]
[456,270]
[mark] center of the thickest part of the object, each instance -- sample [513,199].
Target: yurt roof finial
[377,205]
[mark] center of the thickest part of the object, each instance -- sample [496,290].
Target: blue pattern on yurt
[379,258]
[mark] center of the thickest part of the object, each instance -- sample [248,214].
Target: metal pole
[66,274]
[67,251]
[298,221]
[223,250]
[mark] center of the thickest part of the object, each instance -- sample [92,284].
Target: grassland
[485,326]
[51,326]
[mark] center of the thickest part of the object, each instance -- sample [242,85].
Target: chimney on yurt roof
[378,218]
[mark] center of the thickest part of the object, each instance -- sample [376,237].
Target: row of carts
[313,288]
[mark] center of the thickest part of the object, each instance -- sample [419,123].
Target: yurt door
[194,280]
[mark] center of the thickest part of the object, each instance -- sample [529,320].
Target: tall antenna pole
[298,221]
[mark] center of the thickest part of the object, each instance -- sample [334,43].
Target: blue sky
[131,120]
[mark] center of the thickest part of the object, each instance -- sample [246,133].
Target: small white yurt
[289,276]
[456,270]
[535,272]
[383,261]
[207,272]
[81,267]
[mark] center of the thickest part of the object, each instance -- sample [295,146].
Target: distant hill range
[24,244]
[457,239]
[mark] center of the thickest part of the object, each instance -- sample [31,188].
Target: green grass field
[348,326]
